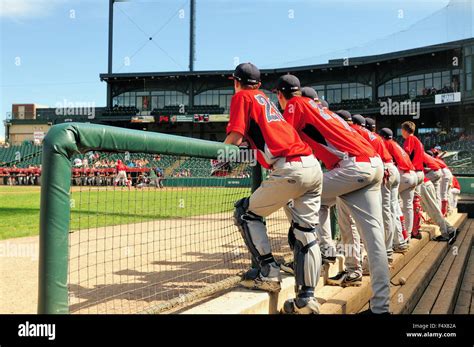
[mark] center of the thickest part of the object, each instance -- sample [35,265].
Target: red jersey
[254,116]
[430,162]
[456,184]
[375,141]
[415,151]
[121,167]
[330,137]
[440,162]
[399,155]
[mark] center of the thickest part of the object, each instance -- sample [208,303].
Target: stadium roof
[331,63]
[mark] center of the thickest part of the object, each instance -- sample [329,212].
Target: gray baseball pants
[357,185]
[406,190]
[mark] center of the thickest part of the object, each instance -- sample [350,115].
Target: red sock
[416,215]
[444,207]
[404,228]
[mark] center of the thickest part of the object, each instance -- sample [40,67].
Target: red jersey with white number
[441,163]
[399,155]
[415,151]
[330,137]
[375,141]
[430,162]
[254,116]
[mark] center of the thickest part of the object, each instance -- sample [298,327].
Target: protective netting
[159,235]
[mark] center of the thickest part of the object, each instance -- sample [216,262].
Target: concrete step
[334,299]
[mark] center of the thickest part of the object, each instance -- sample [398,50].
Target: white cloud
[27,8]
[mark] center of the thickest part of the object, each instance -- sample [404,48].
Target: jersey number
[271,112]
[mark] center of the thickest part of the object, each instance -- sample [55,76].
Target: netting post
[54,221]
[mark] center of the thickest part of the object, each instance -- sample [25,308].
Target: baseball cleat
[416,236]
[251,274]
[336,280]
[301,306]
[401,249]
[352,279]
[267,284]
[345,279]
[450,238]
[288,267]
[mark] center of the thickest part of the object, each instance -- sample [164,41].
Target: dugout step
[333,299]
[441,293]
[410,282]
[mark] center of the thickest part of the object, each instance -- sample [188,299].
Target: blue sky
[54,50]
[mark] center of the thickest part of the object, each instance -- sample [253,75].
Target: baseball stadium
[120,209]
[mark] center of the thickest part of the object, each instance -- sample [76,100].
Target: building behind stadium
[432,86]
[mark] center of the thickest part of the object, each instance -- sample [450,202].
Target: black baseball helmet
[346,115]
[309,93]
[370,123]
[386,133]
[246,73]
[358,119]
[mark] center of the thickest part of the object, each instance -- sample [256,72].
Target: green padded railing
[61,143]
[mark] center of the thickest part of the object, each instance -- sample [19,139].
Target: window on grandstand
[215,97]
[421,85]
[336,93]
[150,100]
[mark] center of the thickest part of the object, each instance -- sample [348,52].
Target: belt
[362,159]
[293,158]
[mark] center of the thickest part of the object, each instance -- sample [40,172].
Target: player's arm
[234,138]
[238,119]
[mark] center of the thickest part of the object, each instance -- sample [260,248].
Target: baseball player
[415,150]
[121,176]
[406,190]
[295,177]
[425,191]
[354,177]
[389,187]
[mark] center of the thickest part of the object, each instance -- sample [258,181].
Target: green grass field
[96,207]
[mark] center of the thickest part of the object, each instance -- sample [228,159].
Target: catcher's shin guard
[444,207]
[254,232]
[307,259]
[416,215]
